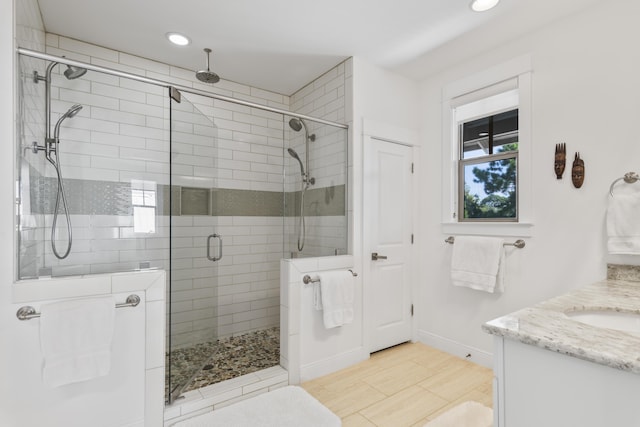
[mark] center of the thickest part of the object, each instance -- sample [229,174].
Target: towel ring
[629,178]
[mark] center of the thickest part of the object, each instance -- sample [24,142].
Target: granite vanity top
[545,325]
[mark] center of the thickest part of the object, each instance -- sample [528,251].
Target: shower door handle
[213,258]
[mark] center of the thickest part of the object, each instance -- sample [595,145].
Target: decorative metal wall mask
[577,171]
[560,159]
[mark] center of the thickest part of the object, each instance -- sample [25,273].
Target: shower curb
[222,394]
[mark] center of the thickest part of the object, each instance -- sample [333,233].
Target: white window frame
[515,73]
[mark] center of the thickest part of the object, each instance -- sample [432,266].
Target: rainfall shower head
[74,72]
[207,76]
[293,154]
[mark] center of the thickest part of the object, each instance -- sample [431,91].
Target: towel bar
[307,279]
[518,243]
[27,312]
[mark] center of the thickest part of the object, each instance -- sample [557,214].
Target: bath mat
[285,407]
[466,414]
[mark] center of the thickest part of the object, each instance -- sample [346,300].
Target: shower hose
[60,196]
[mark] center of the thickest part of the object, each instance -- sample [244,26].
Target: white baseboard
[456,348]
[332,364]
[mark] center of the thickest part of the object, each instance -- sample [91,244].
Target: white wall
[308,349]
[585,93]
[7,319]
[134,383]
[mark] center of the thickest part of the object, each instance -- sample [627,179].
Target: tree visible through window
[489,168]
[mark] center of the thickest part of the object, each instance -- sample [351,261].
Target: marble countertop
[545,325]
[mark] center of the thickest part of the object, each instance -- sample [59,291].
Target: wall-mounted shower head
[293,154]
[298,124]
[207,76]
[74,72]
[295,124]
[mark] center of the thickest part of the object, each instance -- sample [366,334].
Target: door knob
[375,256]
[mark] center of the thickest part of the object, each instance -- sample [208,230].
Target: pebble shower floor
[226,358]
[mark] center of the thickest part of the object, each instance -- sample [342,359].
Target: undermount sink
[626,322]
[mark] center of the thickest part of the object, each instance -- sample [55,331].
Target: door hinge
[412,238]
[412,310]
[412,168]
[175,94]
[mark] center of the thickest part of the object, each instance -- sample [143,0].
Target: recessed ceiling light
[178,39]
[483,134]
[483,5]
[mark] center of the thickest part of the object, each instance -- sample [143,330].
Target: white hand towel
[623,225]
[75,338]
[477,262]
[337,295]
[317,296]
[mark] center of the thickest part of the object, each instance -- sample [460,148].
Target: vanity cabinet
[536,387]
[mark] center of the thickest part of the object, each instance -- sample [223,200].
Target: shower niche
[213,191]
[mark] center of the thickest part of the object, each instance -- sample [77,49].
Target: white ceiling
[281,45]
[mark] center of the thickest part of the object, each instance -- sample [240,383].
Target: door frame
[401,136]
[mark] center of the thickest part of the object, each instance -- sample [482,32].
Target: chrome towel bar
[629,178]
[518,243]
[27,312]
[307,279]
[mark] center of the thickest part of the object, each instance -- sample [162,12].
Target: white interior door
[388,230]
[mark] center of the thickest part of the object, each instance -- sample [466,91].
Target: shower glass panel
[113,159]
[315,189]
[213,191]
[227,241]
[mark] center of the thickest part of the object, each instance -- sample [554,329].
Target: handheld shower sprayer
[71,112]
[293,154]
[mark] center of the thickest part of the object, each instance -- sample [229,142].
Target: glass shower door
[196,245]
[227,236]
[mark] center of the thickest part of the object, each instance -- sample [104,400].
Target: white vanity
[557,365]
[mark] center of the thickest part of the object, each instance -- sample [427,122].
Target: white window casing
[466,97]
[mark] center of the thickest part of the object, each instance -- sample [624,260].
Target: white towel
[317,296]
[623,226]
[477,262]
[75,338]
[337,296]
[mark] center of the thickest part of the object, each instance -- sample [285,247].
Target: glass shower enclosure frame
[202,185]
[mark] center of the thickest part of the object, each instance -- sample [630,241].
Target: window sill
[515,229]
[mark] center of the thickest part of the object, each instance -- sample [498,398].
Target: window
[143,198]
[488,159]
[486,149]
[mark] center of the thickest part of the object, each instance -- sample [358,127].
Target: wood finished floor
[407,385]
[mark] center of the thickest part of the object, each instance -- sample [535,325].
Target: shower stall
[141,174]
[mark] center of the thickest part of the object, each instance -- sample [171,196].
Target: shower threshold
[225,359]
